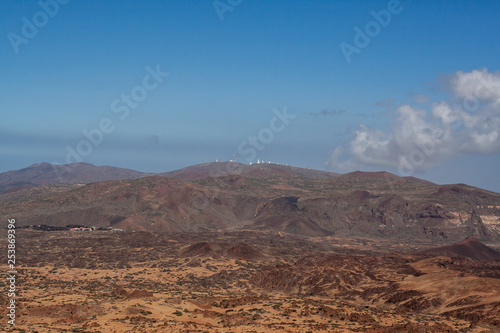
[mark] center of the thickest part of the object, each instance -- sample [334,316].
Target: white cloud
[468,122]
[478,84]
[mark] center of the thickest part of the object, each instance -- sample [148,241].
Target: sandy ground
[174,293]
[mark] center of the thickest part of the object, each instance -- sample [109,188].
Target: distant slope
[157,204]
[418,180]
[46,174]
[385,176]
[470,248]
[266,199]
[218,169]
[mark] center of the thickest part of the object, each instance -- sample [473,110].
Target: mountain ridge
[47,174]
[44,173]
[232,196]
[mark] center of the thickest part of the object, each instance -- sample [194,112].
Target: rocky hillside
[267,197]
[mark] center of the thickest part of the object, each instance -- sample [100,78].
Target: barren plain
[248,281]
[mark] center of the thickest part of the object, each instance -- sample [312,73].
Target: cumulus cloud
[476,85]
[467,122]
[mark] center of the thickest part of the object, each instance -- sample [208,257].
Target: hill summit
[470,248]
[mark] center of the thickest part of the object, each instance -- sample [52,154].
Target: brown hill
[418,180]
[470,248]
[46,174]
[266,197]
[218,169]
[244,252]
[384,175]
[239,251]
[158,204]
[202,249]
[376,175]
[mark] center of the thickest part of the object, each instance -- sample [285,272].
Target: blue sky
[419,96]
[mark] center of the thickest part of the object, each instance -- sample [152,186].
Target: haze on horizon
[409,87]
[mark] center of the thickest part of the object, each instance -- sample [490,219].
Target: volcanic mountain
[217,169]
[45,174]
[48,174]
[470,248]
[267,197]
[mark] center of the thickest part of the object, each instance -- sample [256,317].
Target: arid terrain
[224,247]
[105,281]
[228,196]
